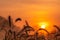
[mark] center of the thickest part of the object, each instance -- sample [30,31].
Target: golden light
[43,25]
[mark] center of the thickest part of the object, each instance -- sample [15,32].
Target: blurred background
[34,11]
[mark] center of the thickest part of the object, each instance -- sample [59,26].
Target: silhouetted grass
[23,34]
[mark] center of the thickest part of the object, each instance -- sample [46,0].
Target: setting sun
[43,25]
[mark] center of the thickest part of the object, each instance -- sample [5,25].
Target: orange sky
[34,11]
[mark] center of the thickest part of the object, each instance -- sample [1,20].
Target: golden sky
[34,11]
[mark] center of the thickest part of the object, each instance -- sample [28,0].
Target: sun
[43,25]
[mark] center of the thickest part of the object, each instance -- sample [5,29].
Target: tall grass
[7,25]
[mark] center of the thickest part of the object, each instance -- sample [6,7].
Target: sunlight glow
[43,25]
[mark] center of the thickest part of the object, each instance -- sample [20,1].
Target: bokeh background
[34,11]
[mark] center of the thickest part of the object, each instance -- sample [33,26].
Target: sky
[34,11]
